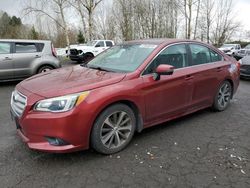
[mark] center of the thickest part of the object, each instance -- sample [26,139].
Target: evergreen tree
[33,33]
[80,37]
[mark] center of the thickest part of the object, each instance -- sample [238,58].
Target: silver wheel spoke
[107,137]
[124,122]
[107,122]
[104,130]
[125,128]
[122,135]
[121,116]
[111,140]
[117,139]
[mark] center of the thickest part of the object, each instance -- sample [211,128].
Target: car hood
[245,60]
[69,80]
[226,48]
[84,48]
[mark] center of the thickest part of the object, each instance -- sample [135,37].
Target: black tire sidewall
[96,142]
[44,67]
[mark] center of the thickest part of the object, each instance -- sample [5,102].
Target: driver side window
[175,55]
[100,44]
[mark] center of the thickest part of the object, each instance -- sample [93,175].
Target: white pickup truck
[230,49]
[85,52]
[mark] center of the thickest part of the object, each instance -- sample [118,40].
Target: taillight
[53,50]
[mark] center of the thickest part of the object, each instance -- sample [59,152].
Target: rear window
[4,48]
[215,56]
[109,44]
[39,47]
[25,47]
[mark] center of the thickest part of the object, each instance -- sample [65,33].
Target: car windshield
[122,58]
[228,45]
[247,46]
[91,43]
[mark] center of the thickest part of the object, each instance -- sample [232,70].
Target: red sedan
[125,89]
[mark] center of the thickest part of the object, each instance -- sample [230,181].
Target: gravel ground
[205,149]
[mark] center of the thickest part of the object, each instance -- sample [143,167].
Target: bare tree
[90,6]
[225,23]
[197,18]
[52,9]
[208,7]
[77,5]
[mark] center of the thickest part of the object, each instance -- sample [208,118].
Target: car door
[205,75]
[99,48]
[6,61]
[24,55]
[170,96]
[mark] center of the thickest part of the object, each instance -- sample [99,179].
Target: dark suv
[22,58]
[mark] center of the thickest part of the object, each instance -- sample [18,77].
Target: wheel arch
[232,84]
[89,53]
[129,103]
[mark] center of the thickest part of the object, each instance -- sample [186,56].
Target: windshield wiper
[99,68]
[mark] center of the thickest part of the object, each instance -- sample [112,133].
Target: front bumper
[73,127]
[76,57]
[245,71]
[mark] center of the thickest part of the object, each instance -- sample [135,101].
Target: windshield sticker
[148,46]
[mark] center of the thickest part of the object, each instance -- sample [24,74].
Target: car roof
[23,40]
[231,44]
[160,41]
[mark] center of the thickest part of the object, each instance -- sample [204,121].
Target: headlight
[61,104]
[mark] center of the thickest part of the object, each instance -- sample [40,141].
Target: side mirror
[98,45]
[163,70]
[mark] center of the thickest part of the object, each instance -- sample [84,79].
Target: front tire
[113,129]
[223,96]
[88,57]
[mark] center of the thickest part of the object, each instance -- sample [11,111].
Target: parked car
[125,89]
[230,49]
[245,51]
[84,53]
[245,67]
[20,59]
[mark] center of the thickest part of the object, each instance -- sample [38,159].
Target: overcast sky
[242,10]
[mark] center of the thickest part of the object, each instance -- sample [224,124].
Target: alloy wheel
[116,129]
[224,95]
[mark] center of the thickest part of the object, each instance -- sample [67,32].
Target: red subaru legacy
[125,89]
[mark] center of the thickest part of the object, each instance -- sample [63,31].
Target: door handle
[189,77]
[219,69]
[7,58]
[37,56]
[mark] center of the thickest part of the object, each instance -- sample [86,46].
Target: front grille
[18,103]
[245,69]
[242,51]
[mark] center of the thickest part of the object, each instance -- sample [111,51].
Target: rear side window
[109,44]
[4,48]
[25,47]
[200,54]
[215,56]
[39,47]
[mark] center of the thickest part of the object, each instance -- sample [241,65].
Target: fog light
[56,141]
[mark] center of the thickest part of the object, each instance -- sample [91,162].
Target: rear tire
[113,129]
[223,96]
[44,68]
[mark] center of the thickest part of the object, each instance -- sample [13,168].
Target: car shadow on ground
[9,83]
[91,155]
